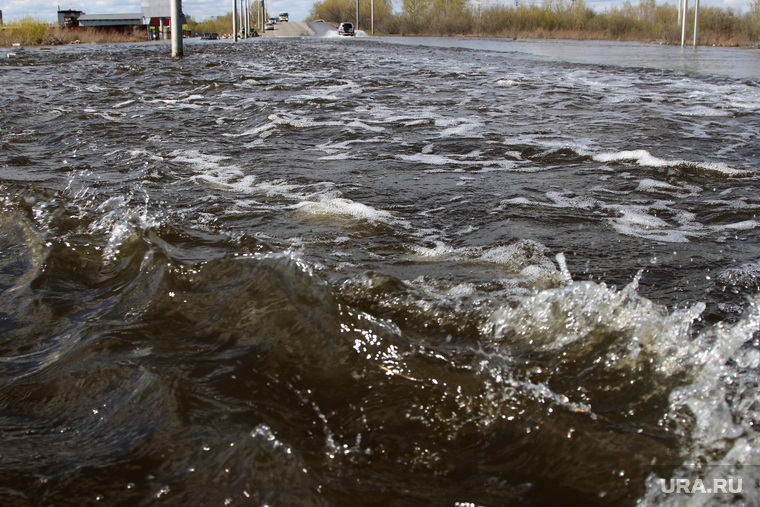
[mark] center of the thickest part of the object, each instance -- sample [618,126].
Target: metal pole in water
[696,22]
[357,16]
[234,20]
[242,19]
[373,17]
[683,21]
[175,12]
[247,18]
[680,11]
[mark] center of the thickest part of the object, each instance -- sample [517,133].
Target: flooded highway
[366,271]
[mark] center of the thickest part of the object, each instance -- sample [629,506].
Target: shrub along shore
[551,19]
[31,32]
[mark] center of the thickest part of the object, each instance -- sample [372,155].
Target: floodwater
[323,271]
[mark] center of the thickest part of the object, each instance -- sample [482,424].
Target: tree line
[547,19]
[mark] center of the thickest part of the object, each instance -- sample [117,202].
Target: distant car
[346,29]
[269,26]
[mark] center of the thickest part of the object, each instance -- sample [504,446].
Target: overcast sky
[45,10]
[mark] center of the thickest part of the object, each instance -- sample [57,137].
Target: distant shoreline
[580,37]
[54,36]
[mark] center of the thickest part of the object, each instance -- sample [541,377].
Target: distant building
[121,22]
[155,15]
[158,11]
[68,18]
[158,17]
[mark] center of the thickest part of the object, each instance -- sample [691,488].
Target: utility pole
[175,13]
[680,11]
[247,18]
[243,24]
[234,20]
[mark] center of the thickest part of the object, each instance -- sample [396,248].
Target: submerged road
[291,29]
[310,271]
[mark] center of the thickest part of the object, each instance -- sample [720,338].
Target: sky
[45,10]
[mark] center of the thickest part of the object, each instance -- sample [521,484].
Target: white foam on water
[456,127]
[747,275]
[577,315]
[704,111]
[713,406]
[438,251]
[527,259]
[339,207]
[502,165]
[300,122]
[458,162]
[329,93]
[317,199]
[339,156]
[414,115]
[716,413]
[341,150]
[659,220]
[197,159]
[429,159]
[364,126]
[507,83]
[122,220]
[641,157]
[649,185]
[520,201]
[645,159]
[638,221]
[125,103]
[744,225]
[556,200]
[211,171]
[333,34]
[280,120]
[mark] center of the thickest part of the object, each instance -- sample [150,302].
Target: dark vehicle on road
[346,29]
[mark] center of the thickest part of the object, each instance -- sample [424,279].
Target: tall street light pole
[234,20]
[247,18]
[175,11]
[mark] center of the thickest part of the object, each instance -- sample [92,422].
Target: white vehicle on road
[346,29]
